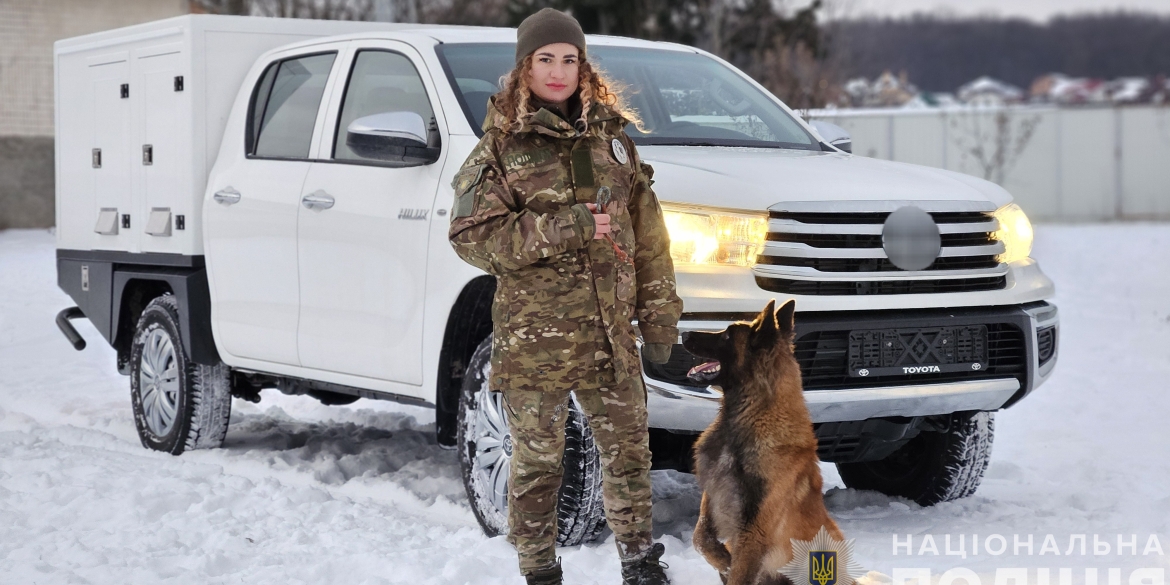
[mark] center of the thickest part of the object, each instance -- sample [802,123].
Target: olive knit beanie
[545,27]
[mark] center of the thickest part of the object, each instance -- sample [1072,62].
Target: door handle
[227,196]
[318,200]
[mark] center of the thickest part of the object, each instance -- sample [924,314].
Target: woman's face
[553,76]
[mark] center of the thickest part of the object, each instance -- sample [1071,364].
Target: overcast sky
[1039,10]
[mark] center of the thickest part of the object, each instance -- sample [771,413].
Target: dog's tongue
[704,372]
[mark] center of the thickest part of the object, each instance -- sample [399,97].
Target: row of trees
[791,51]
[784,49]
[940,54]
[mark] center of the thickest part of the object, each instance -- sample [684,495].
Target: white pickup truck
[248,203]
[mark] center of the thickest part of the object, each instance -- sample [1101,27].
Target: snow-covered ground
[303,493]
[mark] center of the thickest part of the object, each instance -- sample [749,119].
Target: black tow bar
[67,328]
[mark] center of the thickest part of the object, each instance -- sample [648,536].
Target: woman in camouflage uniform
[555,203]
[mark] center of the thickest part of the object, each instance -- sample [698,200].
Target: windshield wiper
[727,144]
[688,143]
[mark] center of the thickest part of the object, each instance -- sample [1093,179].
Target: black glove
[657,353]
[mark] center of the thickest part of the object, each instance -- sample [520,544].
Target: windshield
[683,98]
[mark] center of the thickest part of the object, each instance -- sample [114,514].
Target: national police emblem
[822,561]
[822,567]
[619,151]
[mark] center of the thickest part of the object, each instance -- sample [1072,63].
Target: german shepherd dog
[757,462]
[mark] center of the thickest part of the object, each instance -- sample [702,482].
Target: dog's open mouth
[704,373]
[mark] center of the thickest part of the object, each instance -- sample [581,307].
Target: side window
[284,109]
[381,81]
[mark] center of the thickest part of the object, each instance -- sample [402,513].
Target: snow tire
[935,466]
[178,405]
[580,513]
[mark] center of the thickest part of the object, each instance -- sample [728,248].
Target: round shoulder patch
[619,151]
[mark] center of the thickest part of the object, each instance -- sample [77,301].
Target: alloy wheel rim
[158,382]
[493,448]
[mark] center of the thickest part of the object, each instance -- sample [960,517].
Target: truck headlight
[708,236]
[1015,231]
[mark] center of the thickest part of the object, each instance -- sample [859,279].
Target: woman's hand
[600,220]
[656,353]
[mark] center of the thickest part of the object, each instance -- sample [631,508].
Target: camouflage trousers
[536,419]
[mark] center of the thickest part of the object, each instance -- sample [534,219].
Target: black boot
[547,576]
[647,570]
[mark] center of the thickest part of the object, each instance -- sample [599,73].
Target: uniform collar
[573,105]
[544,121]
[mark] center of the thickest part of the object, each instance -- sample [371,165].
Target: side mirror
[834,135]
[392,137]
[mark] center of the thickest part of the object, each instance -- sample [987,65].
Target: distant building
[932,99]
[1041,89]
[1056,88]
[27,32]
[1127,90]
[987,91]
[1139,90]
[886,91]
[890,91]
[1061,89]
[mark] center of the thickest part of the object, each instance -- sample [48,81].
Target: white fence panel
[1087,172]
[1145,162]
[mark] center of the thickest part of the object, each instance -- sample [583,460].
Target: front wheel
[485,452]
[178,404]
[933,467]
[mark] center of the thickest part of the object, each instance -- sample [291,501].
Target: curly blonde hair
[512,101]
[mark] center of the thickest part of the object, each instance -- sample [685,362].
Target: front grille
[878,264]
[874,240]
[823,355]
[873,217]
[824,361]
[1045,344]
[879,287]
[840,253]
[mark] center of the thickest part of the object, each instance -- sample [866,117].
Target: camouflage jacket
[564,302]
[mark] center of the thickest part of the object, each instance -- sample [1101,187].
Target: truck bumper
[690,409]
[678,409]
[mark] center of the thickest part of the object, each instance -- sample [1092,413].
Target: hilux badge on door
[412,213]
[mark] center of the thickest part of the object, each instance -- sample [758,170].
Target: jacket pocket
[548,353]
[556,288]
[464,184]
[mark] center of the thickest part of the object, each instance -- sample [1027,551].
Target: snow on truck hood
[759,178]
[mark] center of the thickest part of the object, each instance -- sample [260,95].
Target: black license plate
[917,351]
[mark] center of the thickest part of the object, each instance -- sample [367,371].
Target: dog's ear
[784,318]
[764,328]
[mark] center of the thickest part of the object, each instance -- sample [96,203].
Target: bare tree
[467,12]
[784,49]
[799,77]
[941,53]
[315,9]
[236,7]
[994,143]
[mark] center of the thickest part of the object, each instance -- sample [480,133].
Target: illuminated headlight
[1015,231]
[709,236]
